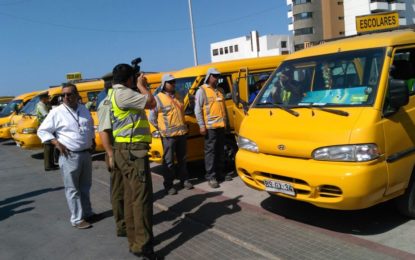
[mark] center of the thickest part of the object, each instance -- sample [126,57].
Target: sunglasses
[171,82]
[215,75]
[67,94]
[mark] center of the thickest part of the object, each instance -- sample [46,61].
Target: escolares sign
[377,21]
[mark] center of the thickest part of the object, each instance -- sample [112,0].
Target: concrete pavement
[232,222]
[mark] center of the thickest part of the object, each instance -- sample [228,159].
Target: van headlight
[347,153]
[29,130]
[155,134]
[246,144]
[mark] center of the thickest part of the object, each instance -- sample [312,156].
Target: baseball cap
[211,71]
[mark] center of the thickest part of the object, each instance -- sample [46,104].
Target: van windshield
[340,79]
[30,107]
[10,108]
[182,86]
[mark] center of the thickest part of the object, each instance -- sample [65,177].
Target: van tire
[406,202]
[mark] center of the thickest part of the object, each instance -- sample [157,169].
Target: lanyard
[77,113]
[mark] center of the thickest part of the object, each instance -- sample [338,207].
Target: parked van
[10,110]
[244,73]
[26,130]
[4,100]
[334,125]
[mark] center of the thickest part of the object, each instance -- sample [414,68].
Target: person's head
[70,95]
[212,76]
[168,83]
[286,74]
[44,98]
[123,74]
[107,78]
[261,81]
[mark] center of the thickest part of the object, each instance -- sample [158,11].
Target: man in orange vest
[168,118]
[210,112]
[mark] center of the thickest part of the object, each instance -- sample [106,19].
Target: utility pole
[193,33]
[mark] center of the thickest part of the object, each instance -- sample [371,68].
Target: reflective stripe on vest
[214,110]
[128,125]
[170,118]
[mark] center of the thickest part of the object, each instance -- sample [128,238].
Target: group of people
[125,133]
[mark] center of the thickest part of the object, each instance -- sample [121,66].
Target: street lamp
[193,33]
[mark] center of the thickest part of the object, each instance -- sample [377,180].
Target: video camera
[136,68]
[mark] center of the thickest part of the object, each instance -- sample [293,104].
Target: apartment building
[354,8]
[251,46]
[313,21]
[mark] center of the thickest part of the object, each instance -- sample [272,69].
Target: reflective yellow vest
[170,118]
[128,126]
[214,110]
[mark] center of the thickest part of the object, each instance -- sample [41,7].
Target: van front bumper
[27,141]
[5,133]
[336,185]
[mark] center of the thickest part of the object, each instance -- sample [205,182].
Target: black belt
[82,151]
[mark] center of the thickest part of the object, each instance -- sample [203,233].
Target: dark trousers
[133,162]
[117,198]
[48,155]
[174,147]
[214,153]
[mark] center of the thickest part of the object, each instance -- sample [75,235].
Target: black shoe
[228,177]
[53,168]
[213,183]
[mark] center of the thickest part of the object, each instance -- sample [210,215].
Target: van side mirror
[398,93]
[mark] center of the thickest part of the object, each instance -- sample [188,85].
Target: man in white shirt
[69,127]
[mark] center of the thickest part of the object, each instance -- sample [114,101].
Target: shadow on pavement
[8,142]
[190,224]
[37,156]
[374,220]
[17,201]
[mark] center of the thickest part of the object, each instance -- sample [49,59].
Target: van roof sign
[74,76]
[378,21]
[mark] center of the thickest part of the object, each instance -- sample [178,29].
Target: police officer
[41,111]
[105,132]
[168,118]
[210,111]
[132,137]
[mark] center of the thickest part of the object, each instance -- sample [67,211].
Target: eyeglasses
[67,94]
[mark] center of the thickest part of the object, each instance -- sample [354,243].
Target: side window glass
[91,103]
[223,83]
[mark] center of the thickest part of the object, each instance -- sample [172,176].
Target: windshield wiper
[286,109]
[329,110]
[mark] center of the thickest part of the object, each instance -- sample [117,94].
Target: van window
[346,79]
[11,107]
[30,107]
[91,103]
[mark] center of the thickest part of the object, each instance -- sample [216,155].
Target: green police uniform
[132,137]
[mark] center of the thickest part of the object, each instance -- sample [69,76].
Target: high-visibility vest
[214,108]
[170,118]
[128,126]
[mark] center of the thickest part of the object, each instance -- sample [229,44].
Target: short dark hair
[70,85]
[121,73]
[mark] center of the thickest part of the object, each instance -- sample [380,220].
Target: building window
[221,51]
[341,33]
[302,16]
[340,3]
[236,48]
[215,52]
[299,2]
[230,49]
[341,18]
[283,44]
[226,50]
[303,31]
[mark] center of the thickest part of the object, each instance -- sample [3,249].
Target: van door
[240,88]
[399,127]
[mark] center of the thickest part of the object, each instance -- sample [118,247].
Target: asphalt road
[232,222]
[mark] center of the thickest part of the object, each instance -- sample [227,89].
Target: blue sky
[42,40]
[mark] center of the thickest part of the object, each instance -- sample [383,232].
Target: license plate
[279,186]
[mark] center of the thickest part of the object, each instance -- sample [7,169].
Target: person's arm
[142,87]
[153,117]
[46,132]
[199,101]
[106,137]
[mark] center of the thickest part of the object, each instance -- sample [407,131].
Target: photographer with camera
[132,137]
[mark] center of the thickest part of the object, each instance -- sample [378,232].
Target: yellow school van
[26,129]
[10,110]
[238,77]
[334,125]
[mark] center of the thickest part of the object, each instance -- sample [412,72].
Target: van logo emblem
[281,147]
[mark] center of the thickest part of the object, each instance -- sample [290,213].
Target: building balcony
[377,6]
[290,27]
[397,7]
[290,14]
[402,21]
[289,2]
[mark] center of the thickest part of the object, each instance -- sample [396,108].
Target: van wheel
[230,151]
[406,202]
